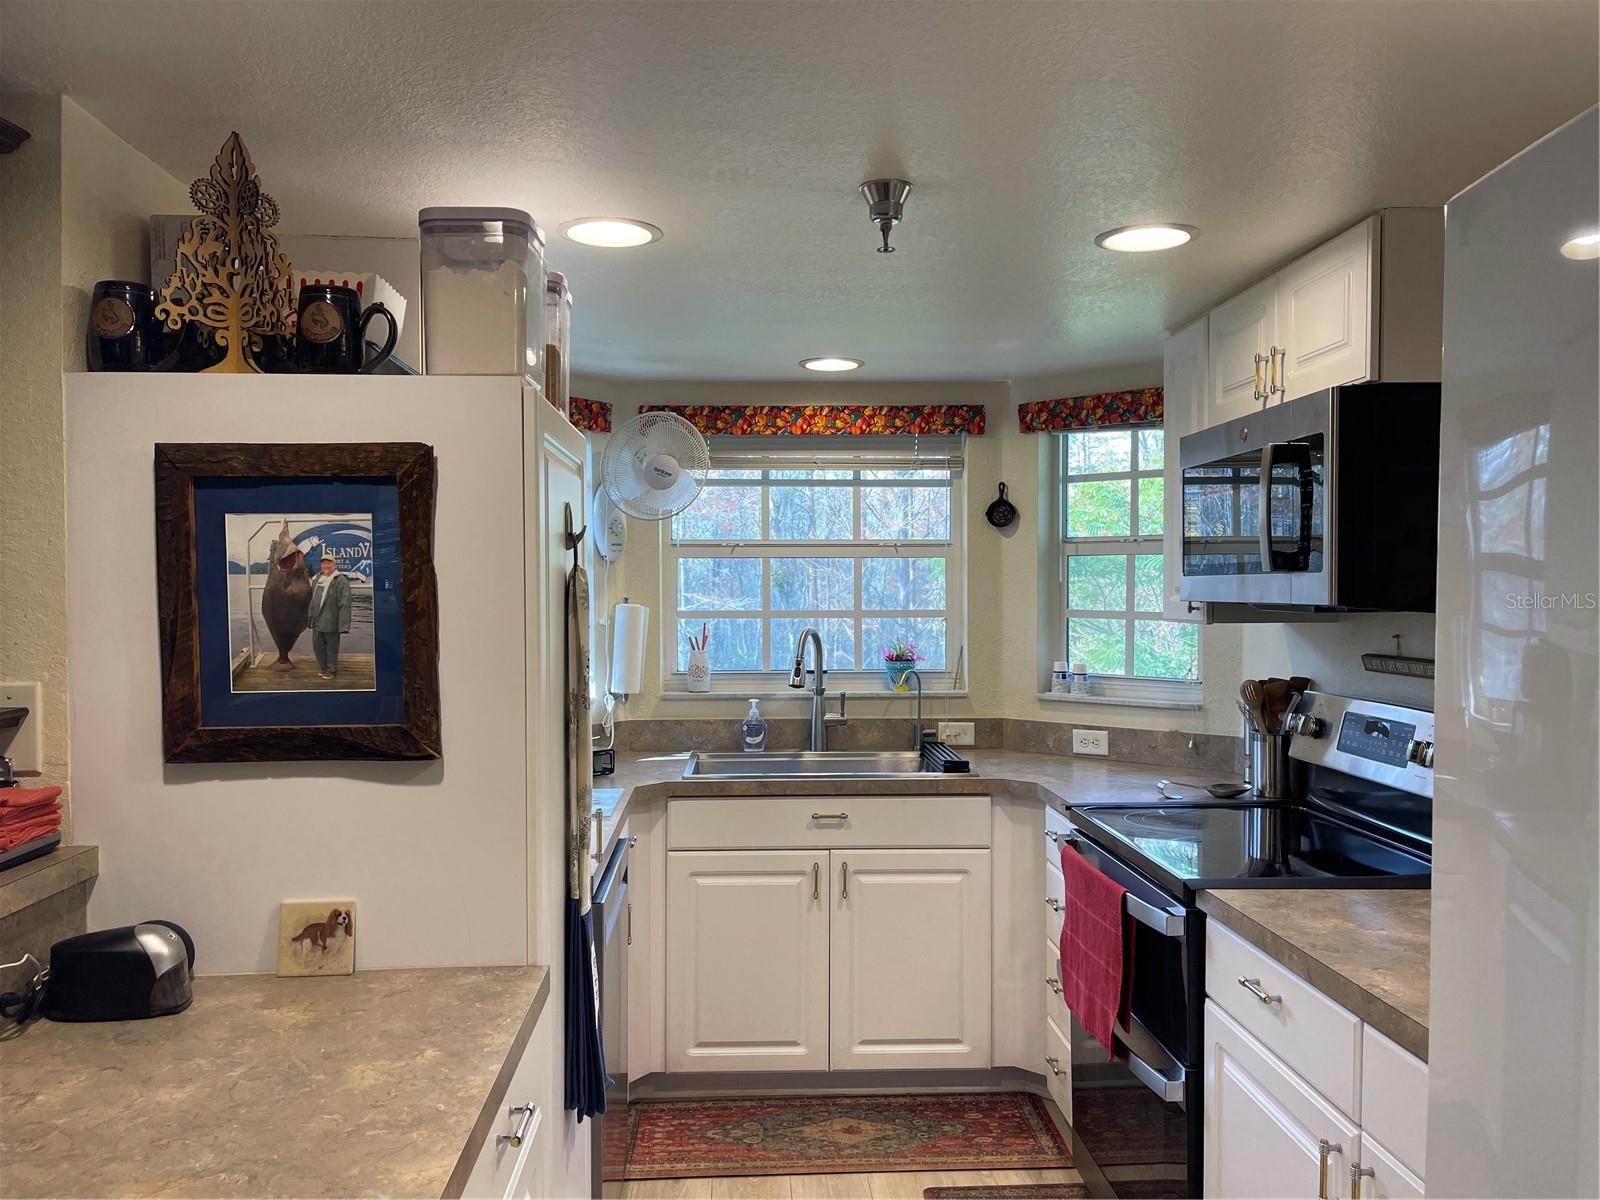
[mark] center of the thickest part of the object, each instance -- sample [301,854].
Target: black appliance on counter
[143,970]
[1365,822]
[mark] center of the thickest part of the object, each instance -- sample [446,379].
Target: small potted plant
[899,660]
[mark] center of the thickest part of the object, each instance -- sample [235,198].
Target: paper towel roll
[629,624]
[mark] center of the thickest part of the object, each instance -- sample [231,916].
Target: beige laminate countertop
[377,1083]
[1367,949]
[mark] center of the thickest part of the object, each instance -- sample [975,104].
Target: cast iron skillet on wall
[1001,512]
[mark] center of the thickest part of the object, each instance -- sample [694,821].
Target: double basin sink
[808,764]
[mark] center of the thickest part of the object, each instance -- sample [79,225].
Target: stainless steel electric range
[1364,821]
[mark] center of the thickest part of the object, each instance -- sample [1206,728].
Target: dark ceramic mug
[124,332]
[330,331]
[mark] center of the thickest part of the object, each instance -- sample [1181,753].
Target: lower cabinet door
[1390,1180]
[1267,1133]
[747,960]
[911,975]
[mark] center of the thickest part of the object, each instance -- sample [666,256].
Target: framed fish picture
[298,603]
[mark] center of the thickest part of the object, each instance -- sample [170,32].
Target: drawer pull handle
[1357,1174]
[530,1113]
[1253,986]
[1325,1149]
[1052,903]
[1055,984]
[839,816]
[1055,1066]
[1053,836]
[816,881]
[844,881]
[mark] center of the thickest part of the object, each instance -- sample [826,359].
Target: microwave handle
[1271,455]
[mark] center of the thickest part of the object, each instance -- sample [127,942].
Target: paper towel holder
[611,667]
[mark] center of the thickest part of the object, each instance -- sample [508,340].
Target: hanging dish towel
[586,1057]
[1096,971]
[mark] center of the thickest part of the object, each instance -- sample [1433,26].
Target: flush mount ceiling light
[886,204]
[829,362]
[1139,239]
[610,232]
[1584,246]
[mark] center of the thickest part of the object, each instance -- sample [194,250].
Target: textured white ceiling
[742,129]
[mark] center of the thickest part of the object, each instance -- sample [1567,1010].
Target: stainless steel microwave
[1329,502]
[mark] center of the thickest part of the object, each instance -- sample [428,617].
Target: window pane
[734,645]
[1151,494]
[908,474]
[719,583]
[1099,451]
[810,473]
[721,514]
[1098,509]
[927,634]
[813,584]
[902,583]
[905,513]
[1100,643]
[727,473]
[1166,649]
[838,642]
[801,514]
[1149,580]
[1097,582]
[1151,442]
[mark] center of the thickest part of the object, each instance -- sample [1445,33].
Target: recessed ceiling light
[1584,246]
[829,362]
[610,232]
[1137,239]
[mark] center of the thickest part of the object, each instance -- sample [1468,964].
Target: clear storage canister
[482,292]
[558,337]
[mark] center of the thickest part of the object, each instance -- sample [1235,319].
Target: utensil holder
[1270,766]
[699,671]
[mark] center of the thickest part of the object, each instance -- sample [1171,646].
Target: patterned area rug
[1009,1191]
[807,1135]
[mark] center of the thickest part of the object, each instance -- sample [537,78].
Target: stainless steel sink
[807,764]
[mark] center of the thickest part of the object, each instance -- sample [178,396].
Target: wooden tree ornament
[230,276]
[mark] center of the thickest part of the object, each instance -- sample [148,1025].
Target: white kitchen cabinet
[1185,378]
[747,960]
[1327,310]
[1267,1132]
[910,959]
[1389,1179]
[1240,336]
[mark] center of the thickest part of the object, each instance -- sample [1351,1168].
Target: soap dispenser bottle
[753,733]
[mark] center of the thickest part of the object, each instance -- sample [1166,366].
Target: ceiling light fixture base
[886,204]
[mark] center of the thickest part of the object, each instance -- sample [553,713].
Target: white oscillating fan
[654,466]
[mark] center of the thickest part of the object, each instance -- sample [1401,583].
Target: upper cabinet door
[911,976]
[1241,330]
[747,960]
[1327,312]
[1184,379]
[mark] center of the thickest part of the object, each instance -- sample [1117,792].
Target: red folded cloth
[21,816]
[1096,972]
[13,836]
[21,797]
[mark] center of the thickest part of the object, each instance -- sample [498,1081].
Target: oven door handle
[1165,921]
[1169,1087]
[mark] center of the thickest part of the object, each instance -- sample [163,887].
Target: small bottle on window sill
[1080,679]
[1060,679]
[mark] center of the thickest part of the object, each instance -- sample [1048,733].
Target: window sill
[1119,701]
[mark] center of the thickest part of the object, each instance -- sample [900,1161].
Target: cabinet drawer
[1394,1098]
[1319,1040]
[1058,1073]
[823,822]
[500,1165]
[1055,1004]
[1389,1179]
[1055,898]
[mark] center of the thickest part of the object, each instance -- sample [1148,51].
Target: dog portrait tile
[316,937]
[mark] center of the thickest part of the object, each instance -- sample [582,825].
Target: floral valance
[592,416]
[1140,406]
[759,420]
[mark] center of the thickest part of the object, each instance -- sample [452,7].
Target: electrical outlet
[956,733]
[1089,741]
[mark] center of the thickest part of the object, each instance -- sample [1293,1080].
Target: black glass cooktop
[1252,845]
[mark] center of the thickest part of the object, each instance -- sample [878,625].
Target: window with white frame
[1113,574]
[860,538]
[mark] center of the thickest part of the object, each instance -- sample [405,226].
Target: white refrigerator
[1513,1073]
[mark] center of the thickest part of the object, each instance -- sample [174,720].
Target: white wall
[434,854]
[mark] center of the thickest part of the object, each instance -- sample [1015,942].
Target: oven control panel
[1385,743]
[1377,739]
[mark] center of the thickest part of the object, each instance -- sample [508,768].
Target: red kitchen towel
[21,797]
[23,816]
[1096,974]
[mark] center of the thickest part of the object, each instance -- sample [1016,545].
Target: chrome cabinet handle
[844,881]
[1357,1174]
[816,881]
[1325,1149]
[1055,984]
[1055,1065]
[1258,388]
[1053,836]
[1052,904]
[630,922]
[838,816]
[1253,986]
[530,1113]
[1278,357]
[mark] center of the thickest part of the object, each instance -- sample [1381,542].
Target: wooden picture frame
[409,467]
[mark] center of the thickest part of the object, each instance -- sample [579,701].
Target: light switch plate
[23,745]
[1090,741]
[956,733]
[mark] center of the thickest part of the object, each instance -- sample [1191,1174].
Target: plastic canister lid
[1059,668]
[555,281]
[468,216]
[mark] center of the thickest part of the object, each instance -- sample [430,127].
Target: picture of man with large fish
[300,602]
